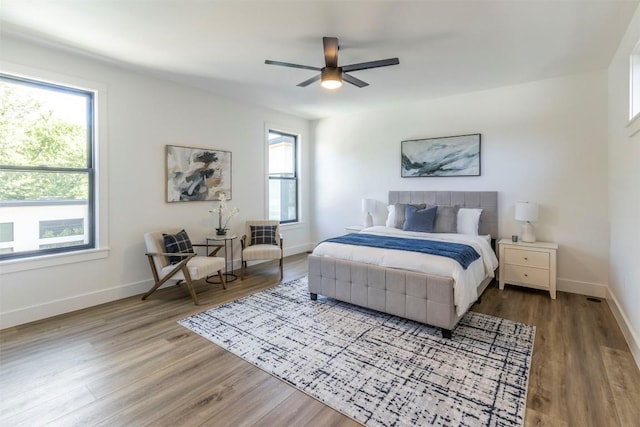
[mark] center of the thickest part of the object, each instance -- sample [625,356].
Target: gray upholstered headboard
[487,200]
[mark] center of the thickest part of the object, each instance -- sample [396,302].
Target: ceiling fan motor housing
[331,73]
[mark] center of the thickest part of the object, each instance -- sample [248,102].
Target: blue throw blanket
[463,254]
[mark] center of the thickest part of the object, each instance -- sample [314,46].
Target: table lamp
[527,212]
[368,206]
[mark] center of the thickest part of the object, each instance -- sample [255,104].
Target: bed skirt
[412,295]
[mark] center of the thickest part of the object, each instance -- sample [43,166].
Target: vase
[221,231]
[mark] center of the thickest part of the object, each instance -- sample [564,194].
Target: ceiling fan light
[331,84]
[331,78]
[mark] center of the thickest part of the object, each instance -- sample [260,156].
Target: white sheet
[465,281]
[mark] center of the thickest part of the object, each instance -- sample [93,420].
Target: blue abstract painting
[444,156]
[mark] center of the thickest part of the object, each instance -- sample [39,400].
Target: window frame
[296,174]
[634,84]
[633,126]
[89,169]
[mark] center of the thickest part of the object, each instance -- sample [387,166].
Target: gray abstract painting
[444,156]
[195,174]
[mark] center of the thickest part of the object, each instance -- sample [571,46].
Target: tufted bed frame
[409,294]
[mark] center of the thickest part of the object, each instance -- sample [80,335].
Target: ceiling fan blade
[309,81]
[354,81]
[371,64]
[287,64]
[330,51]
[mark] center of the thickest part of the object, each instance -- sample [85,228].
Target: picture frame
[445,156]
[197,174]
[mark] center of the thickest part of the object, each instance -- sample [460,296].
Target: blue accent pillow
[419,219]
[178,243]
[263,235]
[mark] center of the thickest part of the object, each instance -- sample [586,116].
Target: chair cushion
[177,243]
[263,235]
[199,267]
[258,252]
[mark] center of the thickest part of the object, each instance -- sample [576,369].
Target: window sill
[17,265]
[291,226]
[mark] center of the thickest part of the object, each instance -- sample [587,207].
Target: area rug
[378,369]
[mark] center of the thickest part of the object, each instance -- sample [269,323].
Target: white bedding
[465,281]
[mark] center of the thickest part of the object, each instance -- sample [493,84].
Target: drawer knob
[526,275]
[526,259]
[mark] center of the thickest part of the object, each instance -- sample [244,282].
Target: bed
[426,288]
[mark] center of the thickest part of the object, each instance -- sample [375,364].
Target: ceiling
[445,47]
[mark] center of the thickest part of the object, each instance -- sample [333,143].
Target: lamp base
[368,220]
[528,236]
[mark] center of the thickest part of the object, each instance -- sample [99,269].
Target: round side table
[227,244]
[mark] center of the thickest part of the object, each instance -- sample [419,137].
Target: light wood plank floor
[128,363]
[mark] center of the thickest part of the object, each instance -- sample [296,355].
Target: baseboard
[67,305]
[292,250]
[582,288]
[298,249]
[625,326]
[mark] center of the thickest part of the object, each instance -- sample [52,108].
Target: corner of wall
[625,326]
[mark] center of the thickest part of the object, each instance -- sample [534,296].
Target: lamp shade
[526,211]
[368,205]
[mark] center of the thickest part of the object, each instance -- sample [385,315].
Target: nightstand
[354,228]
[528,264]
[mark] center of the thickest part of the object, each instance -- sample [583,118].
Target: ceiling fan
[331,75]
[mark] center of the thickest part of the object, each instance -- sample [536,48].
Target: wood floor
[128,363]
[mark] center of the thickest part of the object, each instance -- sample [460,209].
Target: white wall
[624,194]
[142,115]
[544,142]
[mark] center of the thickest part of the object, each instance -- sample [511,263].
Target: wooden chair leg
[187,280]
[156,279]
[157,282]
[281,271]
[152,290]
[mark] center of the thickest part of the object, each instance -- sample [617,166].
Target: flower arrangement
[222,206]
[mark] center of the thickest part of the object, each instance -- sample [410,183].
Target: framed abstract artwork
[196,174]
[444,156]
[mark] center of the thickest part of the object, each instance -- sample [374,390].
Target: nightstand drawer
[526,275]
[526,258]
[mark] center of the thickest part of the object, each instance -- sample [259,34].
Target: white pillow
[391,216]
[468,220]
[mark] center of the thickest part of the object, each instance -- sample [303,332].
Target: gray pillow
[446,219]
[400,214]
[419,219]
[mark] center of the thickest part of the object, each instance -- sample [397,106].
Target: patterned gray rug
[378,369]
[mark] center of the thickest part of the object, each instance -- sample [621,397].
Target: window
[634,82]
[283,177]
[46,168]
[6,232]
[6,237]
[62,228]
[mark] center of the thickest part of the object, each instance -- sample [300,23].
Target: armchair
[262,241]
[187,267]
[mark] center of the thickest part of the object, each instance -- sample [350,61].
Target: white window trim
[298,133]
[101,176]
[45,261]
[633,127]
